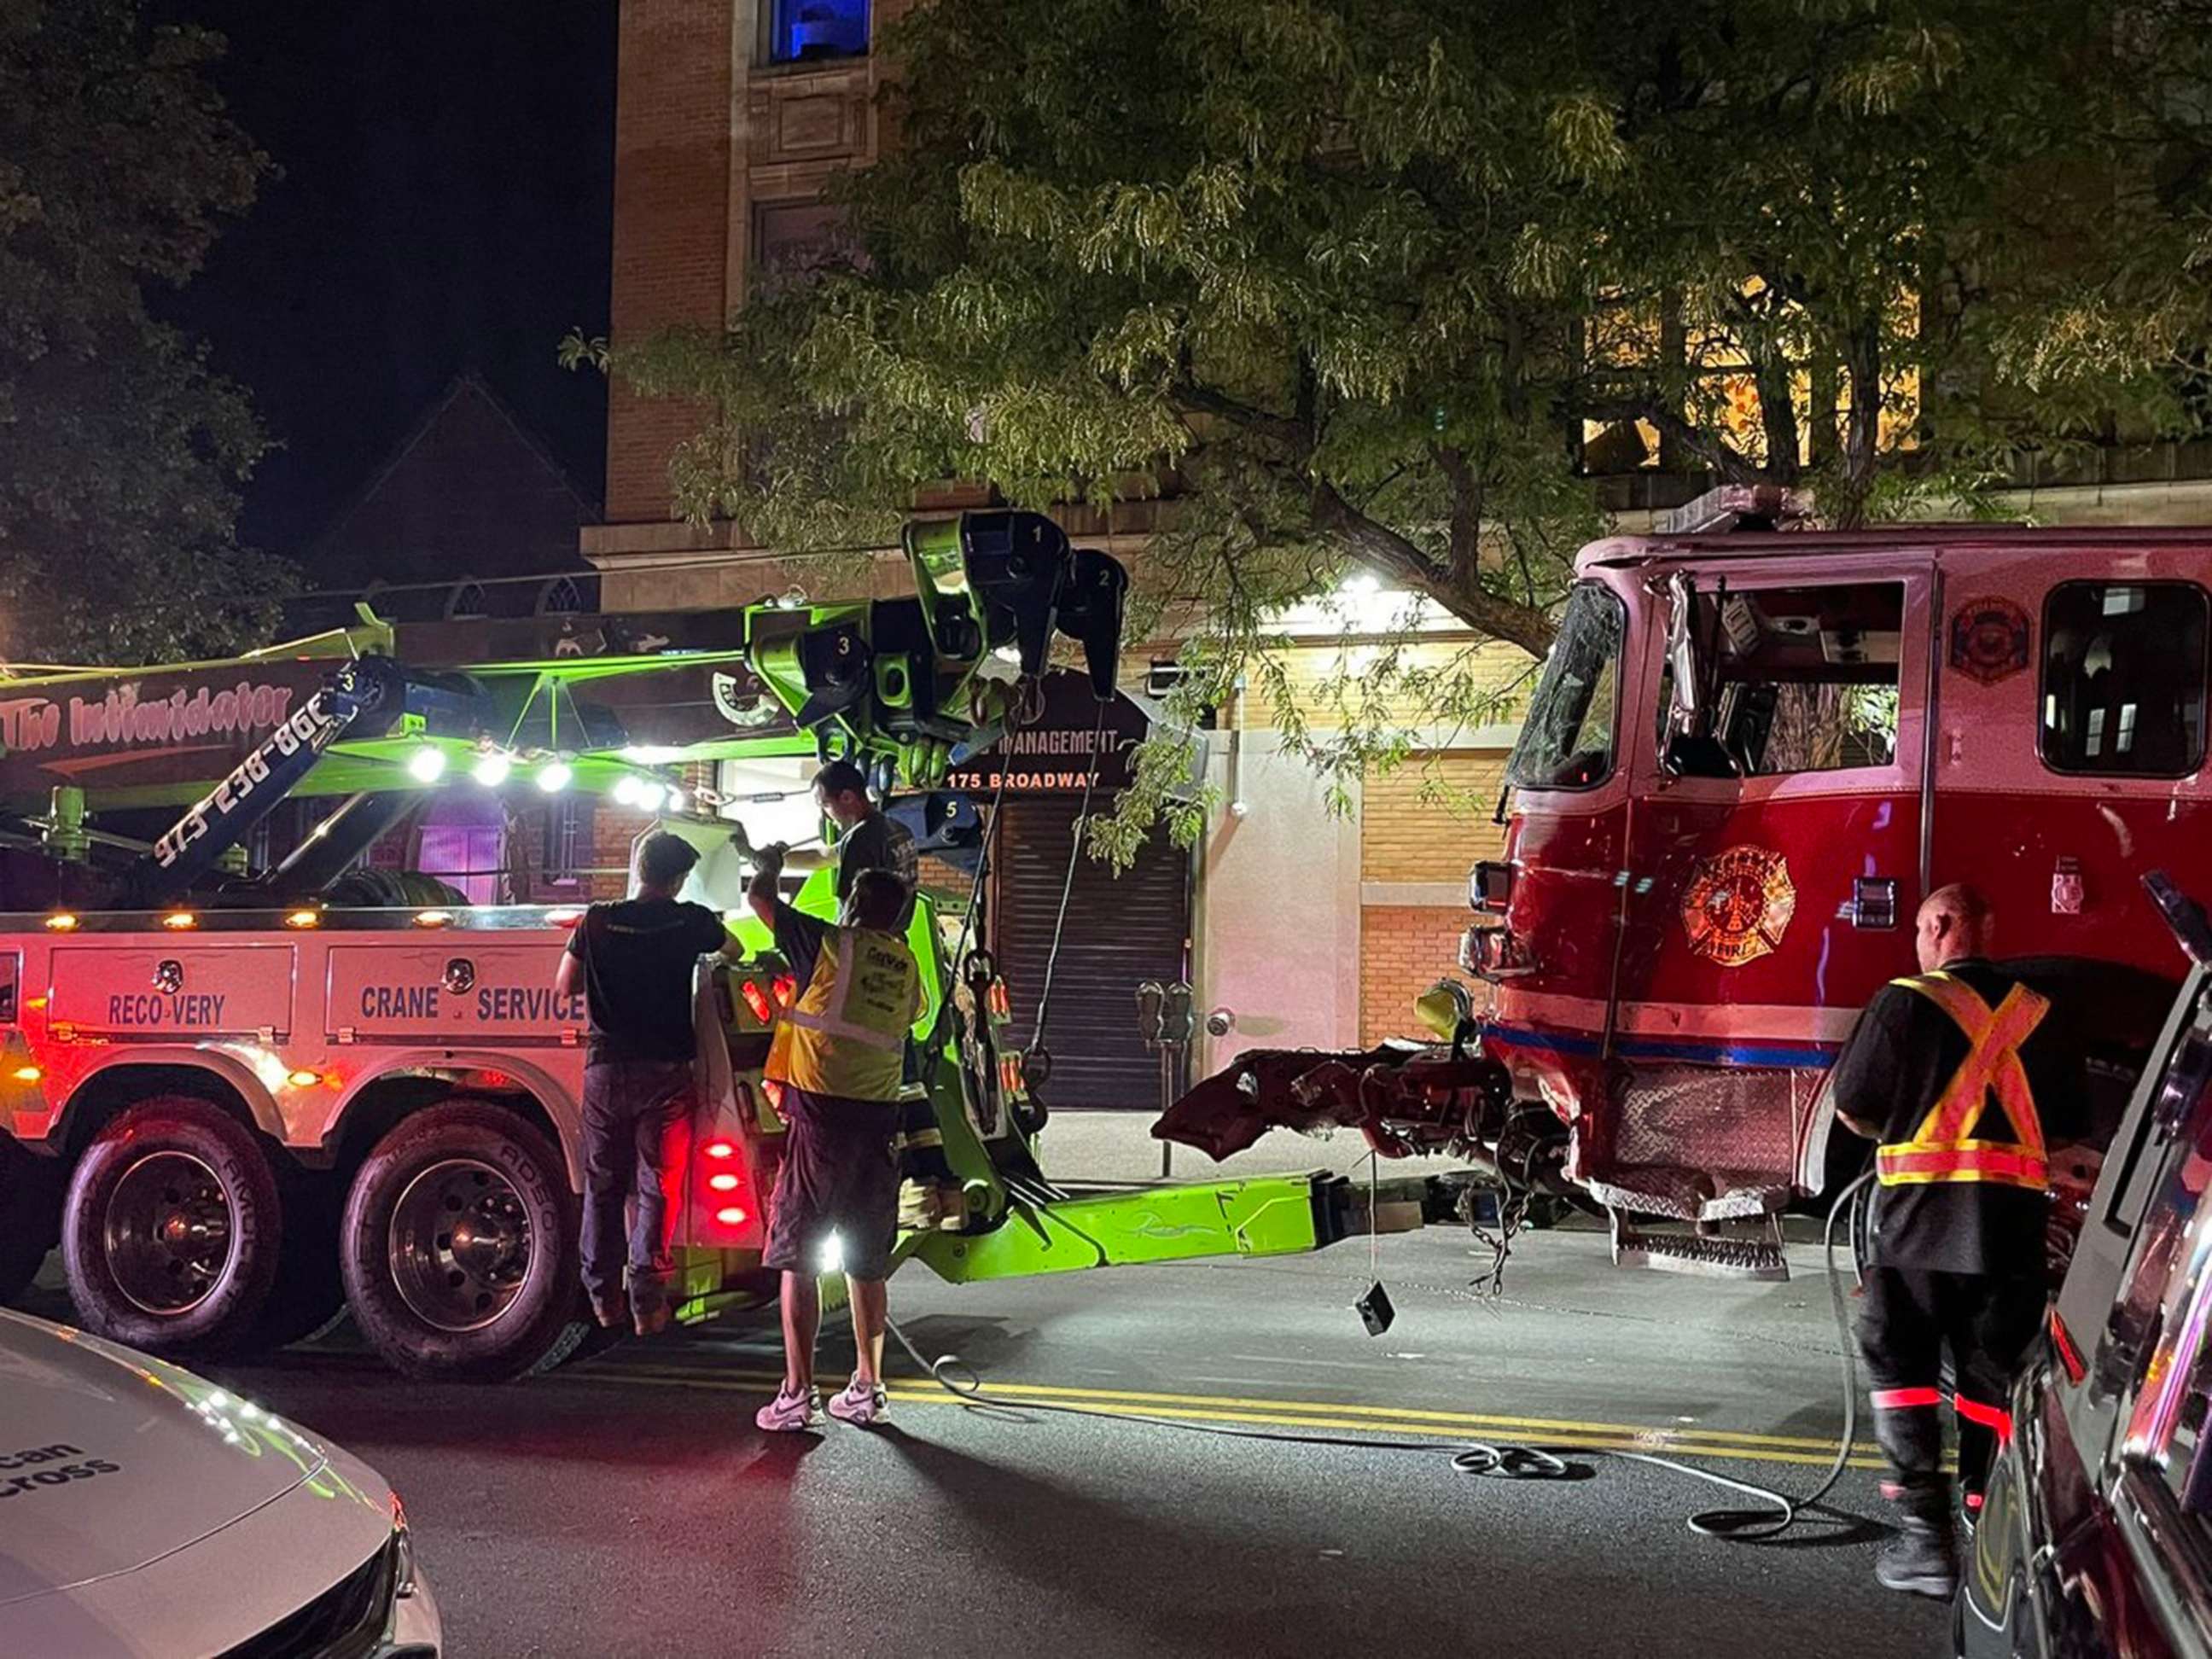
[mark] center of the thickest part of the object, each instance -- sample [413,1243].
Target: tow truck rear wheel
[171,1229]
[458,1247]
[30,1216]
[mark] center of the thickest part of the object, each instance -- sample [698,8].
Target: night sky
[445,204]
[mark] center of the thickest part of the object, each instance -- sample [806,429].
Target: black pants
[637,1116]
[1910,1319]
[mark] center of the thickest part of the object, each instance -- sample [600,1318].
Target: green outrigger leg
[1269,1215]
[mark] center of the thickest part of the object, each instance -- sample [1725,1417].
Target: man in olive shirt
[634,962]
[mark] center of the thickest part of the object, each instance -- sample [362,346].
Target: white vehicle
[147,1514]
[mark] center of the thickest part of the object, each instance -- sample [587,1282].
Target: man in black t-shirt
[1964,1086]
[634,962]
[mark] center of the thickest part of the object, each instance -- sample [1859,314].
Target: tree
[1379,283]
[121,452]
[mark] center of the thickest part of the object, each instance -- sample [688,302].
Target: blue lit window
[806,30]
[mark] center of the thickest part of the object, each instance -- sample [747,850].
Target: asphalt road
[627,1505]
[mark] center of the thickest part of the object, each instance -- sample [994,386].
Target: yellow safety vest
[1944,1147]
[846,1036]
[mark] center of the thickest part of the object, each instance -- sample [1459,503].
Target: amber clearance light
[177,921]
[62,923]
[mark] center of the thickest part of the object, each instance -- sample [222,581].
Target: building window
[810,31]
[464,602]
[559,597]
[2123,678]
[795,241]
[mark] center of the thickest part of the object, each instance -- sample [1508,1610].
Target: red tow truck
[1753,751]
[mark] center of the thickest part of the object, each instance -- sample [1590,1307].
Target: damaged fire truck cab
[1750,756]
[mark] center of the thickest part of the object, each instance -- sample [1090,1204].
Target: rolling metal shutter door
[1122,930]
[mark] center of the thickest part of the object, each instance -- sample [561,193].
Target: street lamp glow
[427,764]
[555,776]
[491,769]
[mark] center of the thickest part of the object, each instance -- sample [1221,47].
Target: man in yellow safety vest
[836,1062]
[1957,1076]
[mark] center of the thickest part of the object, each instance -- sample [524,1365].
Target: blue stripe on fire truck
[1802,1056]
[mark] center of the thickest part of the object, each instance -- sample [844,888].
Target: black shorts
[840,1177]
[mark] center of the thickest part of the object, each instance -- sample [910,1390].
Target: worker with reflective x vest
[835,1065]
[1961,1079]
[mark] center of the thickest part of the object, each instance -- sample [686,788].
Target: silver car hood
[110,1459]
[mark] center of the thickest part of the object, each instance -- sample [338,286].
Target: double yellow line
[1332,1416]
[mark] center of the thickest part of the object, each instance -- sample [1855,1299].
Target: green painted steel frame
[1269,1215]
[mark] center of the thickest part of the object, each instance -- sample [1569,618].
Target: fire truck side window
[2123,678]
[1567,741]
[1805,680]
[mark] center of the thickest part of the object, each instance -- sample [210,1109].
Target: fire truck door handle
[1873,902]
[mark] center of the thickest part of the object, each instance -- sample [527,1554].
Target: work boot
[862,1405]
[1920,1558]
[649,1302]
[788,1413]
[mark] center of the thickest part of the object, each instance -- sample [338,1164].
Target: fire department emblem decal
[1738,905]
[1988,640]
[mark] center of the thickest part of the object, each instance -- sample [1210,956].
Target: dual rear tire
[454,1244]
[458,1247]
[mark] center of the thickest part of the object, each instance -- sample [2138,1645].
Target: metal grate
[1704,1143]
[346,1621]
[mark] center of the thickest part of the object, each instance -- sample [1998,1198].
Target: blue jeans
[637,1130]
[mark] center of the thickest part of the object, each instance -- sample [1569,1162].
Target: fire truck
[242,1100]
[1753,750]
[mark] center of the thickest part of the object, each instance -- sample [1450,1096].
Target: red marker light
[757,999]
[732,1217]
[2069,1356]
[723,1183]
[719,1149]
[785,987]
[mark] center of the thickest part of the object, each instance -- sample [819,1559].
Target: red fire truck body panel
[1692,927]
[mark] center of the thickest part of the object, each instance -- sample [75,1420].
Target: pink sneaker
[788,1413]
[861,1407]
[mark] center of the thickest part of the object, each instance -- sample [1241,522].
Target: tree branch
[1696,440]
[1386,552]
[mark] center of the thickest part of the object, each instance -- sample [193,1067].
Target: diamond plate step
[1754,1253]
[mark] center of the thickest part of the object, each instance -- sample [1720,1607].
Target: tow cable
[1036,1059]
[1777,1511]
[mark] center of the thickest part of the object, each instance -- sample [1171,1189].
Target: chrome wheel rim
[168,1232]
[460,1249]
